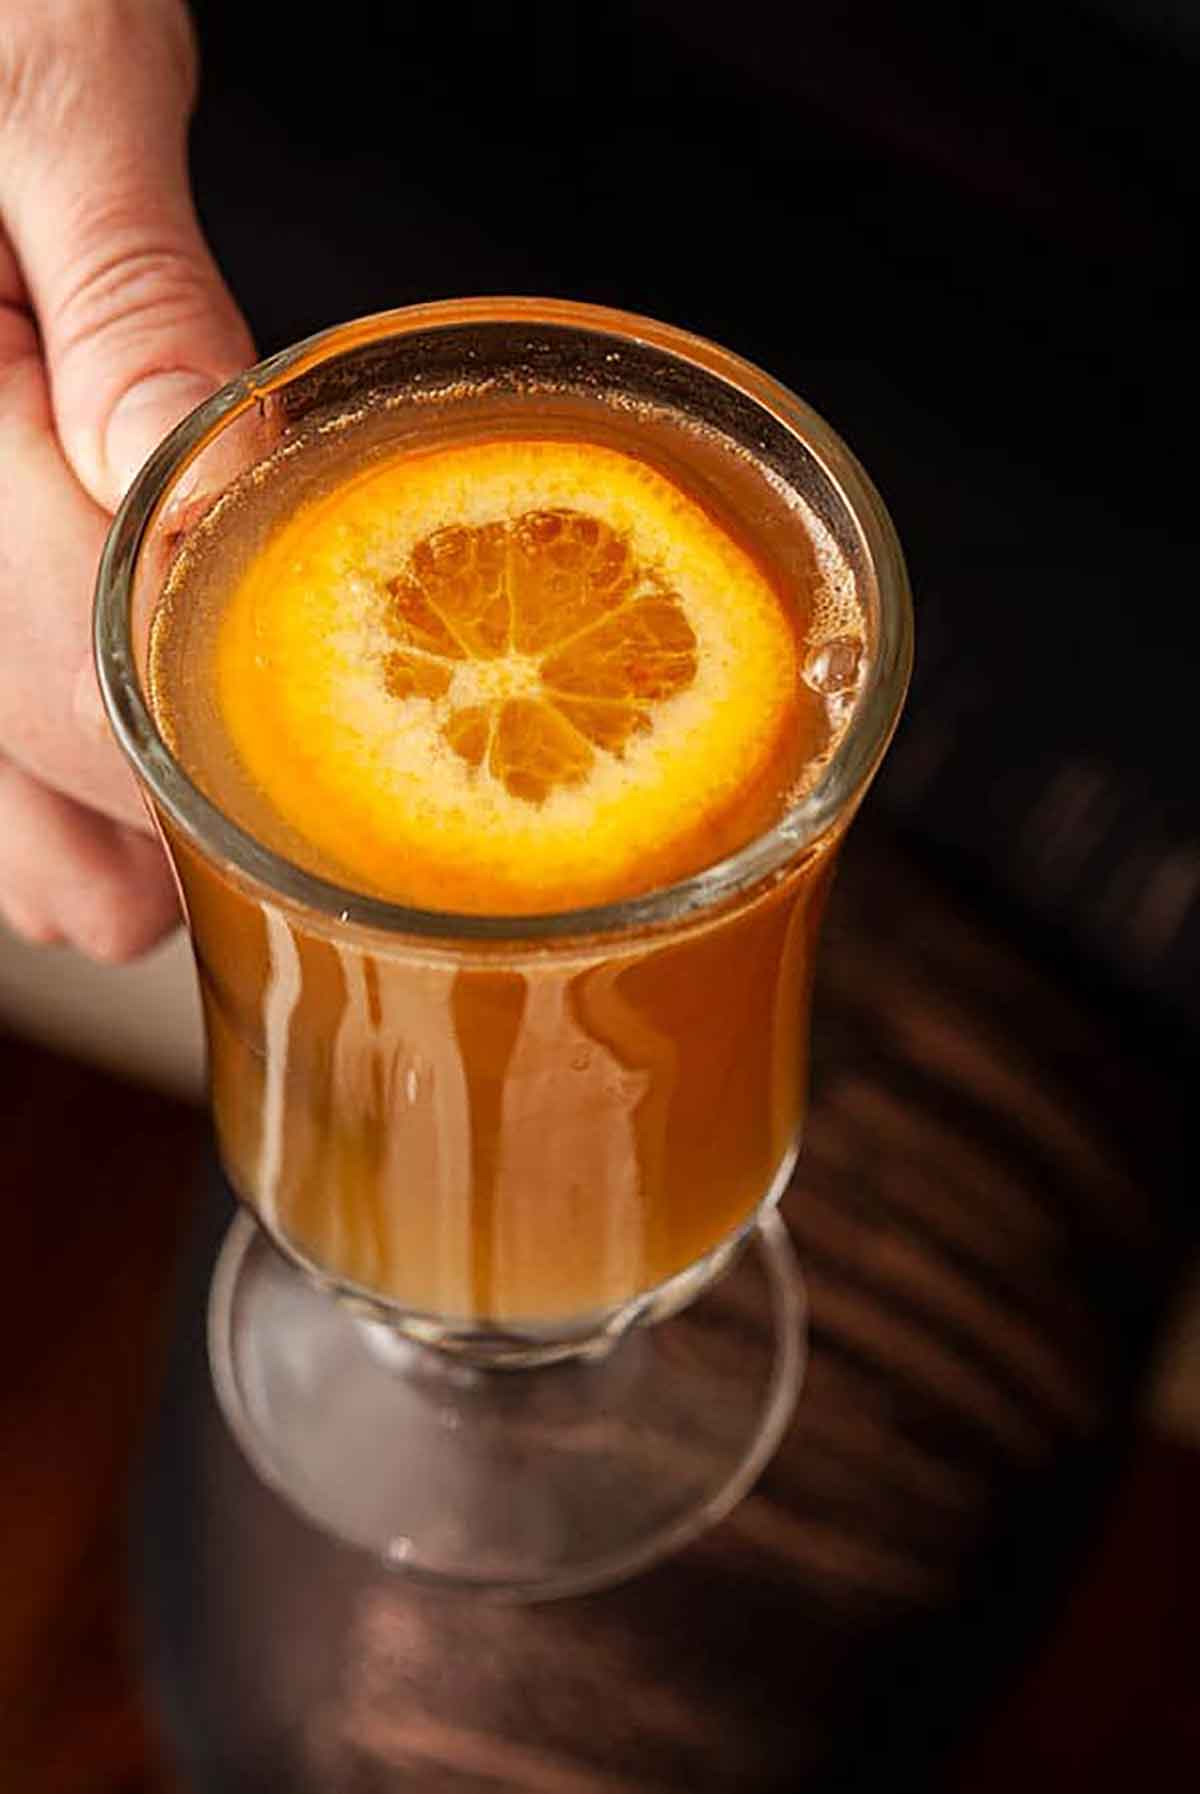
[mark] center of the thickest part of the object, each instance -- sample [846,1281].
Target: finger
[137,325]
[50,539]
[67,874]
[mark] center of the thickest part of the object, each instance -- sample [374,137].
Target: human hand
[114,323]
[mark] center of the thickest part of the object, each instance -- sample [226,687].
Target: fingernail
[141,419]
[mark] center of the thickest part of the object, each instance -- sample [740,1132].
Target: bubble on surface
[834,666]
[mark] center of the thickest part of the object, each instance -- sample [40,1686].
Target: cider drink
[527,664]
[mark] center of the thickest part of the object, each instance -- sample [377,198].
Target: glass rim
[216,835]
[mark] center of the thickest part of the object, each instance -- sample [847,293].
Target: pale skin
[114,322]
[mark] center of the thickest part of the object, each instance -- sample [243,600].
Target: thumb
[137,325]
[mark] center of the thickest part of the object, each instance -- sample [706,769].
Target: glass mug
[481,1150]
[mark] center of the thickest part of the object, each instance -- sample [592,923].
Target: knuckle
[59,58]
[32,68]
[129,290]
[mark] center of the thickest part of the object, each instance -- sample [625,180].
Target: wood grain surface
[988,1214]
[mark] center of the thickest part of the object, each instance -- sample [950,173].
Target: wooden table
[987,1218]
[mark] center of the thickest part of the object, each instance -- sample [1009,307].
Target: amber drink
[502,676]
[508,649]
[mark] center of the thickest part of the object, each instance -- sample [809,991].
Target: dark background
[963,236]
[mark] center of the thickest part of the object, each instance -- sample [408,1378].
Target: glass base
[519,1484]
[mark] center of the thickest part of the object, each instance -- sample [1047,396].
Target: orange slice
[515,675]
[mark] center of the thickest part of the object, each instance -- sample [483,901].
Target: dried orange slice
[516,675]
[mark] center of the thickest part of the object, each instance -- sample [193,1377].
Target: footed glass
[508,1303]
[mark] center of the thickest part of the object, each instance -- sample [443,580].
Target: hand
[113,323]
